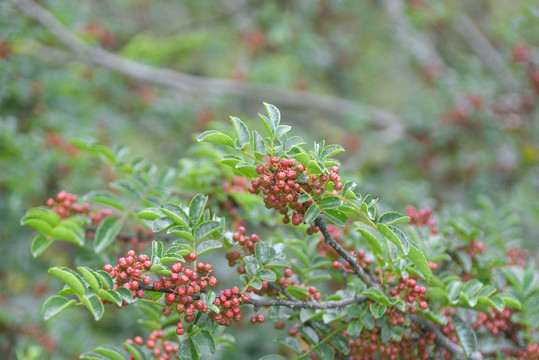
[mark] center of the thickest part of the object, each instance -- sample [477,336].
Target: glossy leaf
[244,136]
[340,343]
[109,352]
[371,240]
[91,277]
[106,233]
[267,275]
[42,213]
[61,232]
[110,295]
[205,342]
[175,213]
[290,342]
[466,335]
[206,228]
[325,351]
[56,304]
[94,304]
[105,197]
[389,234]
[215,137]
[135,350]
[182,231]
[298,292]
[354,329]
[39,245]
[207,246]
[393,218]
[309,334]
[420,261]
[150,214]
[312,213]
[274,117]
[196,207]
[70,278]
[38,224]
[161,224]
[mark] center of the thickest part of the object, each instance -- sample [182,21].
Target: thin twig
[345,255]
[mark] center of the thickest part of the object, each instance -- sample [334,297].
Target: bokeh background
[435,102]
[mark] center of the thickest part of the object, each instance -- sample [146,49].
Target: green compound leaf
[325,352]
[91,277]
[341,343]
[420,261]
[371,240]
[62,232]
[110,295]
[39,245]
[150,214]
[109,352]
[55,305]
[309,334]
[41,213]
[312,213]
[466,335]
[196,207]
[206,228]
[105,197]
[298,292]
[70,278]
[290,342]
[244,136]
[207,246]
[267,275]
[273,119]
[38,224]
[94,304]
[393,218]
[510,301]
[175,213]
[106,233]
[215,137]
[205,342]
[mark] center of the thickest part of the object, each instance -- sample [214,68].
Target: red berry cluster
[228,301]
[282,182]
[414,345]
[409,291]
[518,256]
[421,217]
[362,261]
[184,286]
[499,321]
[96,217]
[128,272]
[64,204]
[476,247]
[449,331]
[237,184]
[55,140]
[161,349]
[247,246]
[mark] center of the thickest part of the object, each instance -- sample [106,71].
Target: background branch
[391,124]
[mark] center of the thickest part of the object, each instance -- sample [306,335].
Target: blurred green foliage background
[434,101]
